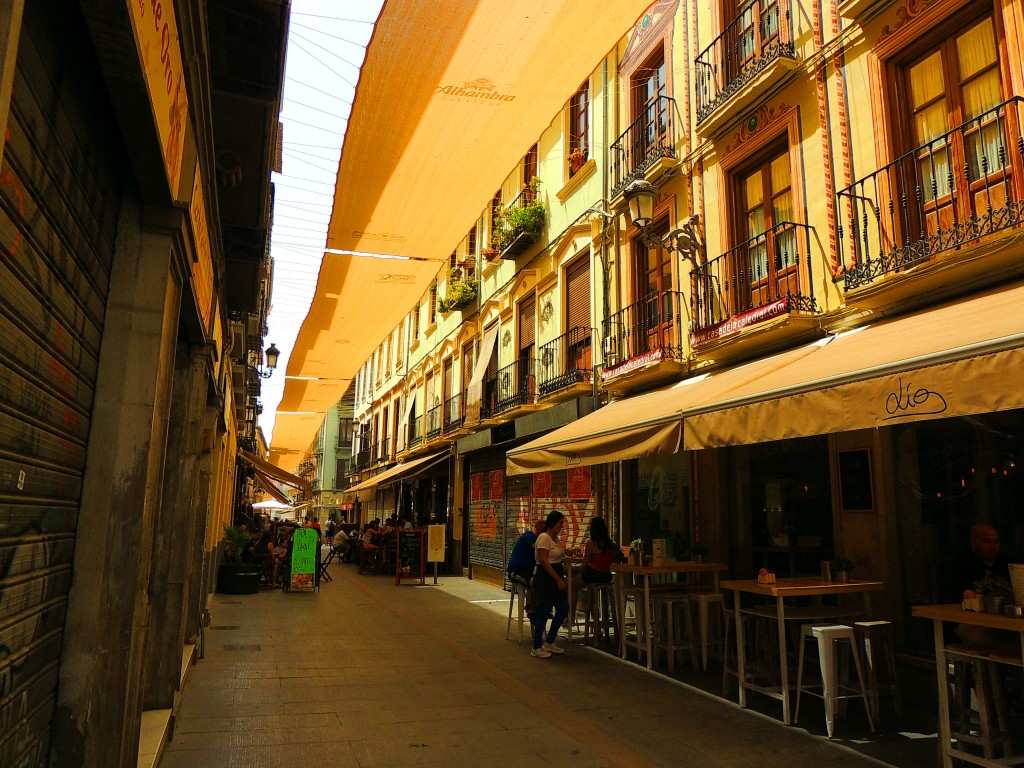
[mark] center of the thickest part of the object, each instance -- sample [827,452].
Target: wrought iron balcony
[516,385]
[566,360]
[650,137]
[767,276]
[434,422]
[363,459]
[654,324]
[761,33]
[517,225]
[925,203]
[415,432]
[454,412]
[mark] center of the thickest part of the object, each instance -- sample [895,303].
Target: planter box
[238,579]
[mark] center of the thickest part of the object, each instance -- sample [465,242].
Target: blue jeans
[561,609]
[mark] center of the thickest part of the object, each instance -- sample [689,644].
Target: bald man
[983,558]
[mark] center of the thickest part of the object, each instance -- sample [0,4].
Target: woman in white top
[549,587]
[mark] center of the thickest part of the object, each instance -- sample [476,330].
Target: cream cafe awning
[267,485]
[637,426]
[452,94]
[956,360]
[367,489]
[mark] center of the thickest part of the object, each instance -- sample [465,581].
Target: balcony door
[650,107]
[577,313]
[753,30]
[654,316]
[952,91]
[765,263]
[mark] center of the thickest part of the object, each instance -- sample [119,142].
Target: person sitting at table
[982,558]
[599,553]
[521,562]
[550,587]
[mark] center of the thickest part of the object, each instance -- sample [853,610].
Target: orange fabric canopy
[452,95]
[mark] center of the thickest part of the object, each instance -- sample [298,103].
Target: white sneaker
[541,653]
[552,648]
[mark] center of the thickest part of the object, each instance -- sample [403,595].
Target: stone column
[99,698]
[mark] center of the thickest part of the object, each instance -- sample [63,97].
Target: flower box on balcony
[459,294]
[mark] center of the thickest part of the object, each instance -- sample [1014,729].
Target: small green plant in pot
[994,591]
[235,577]
[458,293]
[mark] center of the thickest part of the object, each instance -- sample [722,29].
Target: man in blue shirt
[521,562]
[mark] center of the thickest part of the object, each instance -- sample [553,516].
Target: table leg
[741,656]
[940,672]
[647,616]
[783,660]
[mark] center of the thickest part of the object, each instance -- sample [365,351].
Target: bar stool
[827,636]
[638,638]
[668,634]
[985,723]
[600,615]
[758,644]
[703,602]
[517,593]
[875,639]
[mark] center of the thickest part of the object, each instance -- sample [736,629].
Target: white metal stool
[669,636]
[518,591]
[600,616]
[827,636]
[875,639]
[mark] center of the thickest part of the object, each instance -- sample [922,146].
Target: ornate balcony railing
[516,385]
[924,203]
[650,137]
[434,422]
[655,323]
[566,360]
[761,33]
[454,412]
[414,431]
[363,459]
[768,275]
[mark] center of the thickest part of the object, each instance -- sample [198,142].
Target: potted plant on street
[235,577]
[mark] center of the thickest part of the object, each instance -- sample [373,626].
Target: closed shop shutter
[554,493]
[519,509]
[59,195]
[487,509]
[578,295]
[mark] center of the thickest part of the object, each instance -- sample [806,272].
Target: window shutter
[578,295]
[527,322]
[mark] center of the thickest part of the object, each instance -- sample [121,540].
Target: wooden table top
[800,586]
[955,613]
[679,566]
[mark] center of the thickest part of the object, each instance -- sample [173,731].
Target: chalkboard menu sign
[304,556]
[411,556]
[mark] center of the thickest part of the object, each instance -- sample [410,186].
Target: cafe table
[645,572]
[955,614]
[788,589]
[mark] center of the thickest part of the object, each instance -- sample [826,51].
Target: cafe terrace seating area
[812,652]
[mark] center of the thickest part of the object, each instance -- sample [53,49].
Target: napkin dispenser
[659,549]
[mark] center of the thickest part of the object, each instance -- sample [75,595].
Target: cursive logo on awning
[481,88]
[572,459]
[906,402]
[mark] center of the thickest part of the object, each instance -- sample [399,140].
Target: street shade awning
[367,489]
[961,359]
[267,484]
[272,505]
[451,96]
[641,425]
[262,465]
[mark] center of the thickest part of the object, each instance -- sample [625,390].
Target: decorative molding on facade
[764,117]
[650,27]
[904,15]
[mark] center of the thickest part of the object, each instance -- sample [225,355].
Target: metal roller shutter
[578,295]
[527,323]
[59,193]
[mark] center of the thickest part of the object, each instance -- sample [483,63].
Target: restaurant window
[658,488]
[950,88]
[765,255]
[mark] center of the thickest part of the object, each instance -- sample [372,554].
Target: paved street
[368,674]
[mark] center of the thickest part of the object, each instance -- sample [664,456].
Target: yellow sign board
[202,262]
[156,35]
[435,543]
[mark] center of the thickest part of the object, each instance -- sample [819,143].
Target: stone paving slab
[370,675]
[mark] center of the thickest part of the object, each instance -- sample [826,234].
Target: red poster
[476,492]
[542,485]
[497,485]
[579,482]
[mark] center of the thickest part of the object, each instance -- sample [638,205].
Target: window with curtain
[579,127]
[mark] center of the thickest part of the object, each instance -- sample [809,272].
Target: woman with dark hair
[549,587]
[599,554]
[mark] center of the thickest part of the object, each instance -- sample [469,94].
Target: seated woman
[599,554]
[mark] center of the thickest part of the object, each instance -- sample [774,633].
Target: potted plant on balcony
[525,219]
[235,577]
[458,293]
[490,253]
[577,158]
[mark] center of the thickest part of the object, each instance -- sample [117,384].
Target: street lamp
[272,353]
[639,198]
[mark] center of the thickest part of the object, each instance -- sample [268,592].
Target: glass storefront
[658,502]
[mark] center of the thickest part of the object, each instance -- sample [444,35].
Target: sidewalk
[368,674]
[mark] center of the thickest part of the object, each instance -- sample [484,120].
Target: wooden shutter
[527,322]
[578,295]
